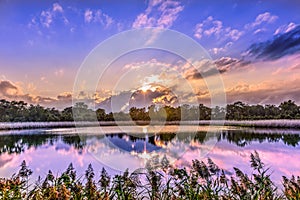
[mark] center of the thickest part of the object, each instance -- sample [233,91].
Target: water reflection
[18,143]
[55,149]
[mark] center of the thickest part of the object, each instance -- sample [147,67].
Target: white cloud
[215,29]
[142,20]
[108,20]
[146,64]
[262,18]
[57,8]
[46,18]
[88,16]
[234,34]
[260,30]
[285,28]
[159,13]
[98,16]
[210,27]
[217,50]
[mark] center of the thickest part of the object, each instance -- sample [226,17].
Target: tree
[100,113]
[272,112]
[236,111]
[139,114]
[288,109]
[204,112]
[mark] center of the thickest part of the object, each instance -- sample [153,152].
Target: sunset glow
[43,46]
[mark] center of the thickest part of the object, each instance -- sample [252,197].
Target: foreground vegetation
[19,111]
[158,181]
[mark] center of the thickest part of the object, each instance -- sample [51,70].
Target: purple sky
[254,44]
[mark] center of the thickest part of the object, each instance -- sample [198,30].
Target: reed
[204,180]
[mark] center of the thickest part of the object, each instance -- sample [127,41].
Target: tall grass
[205,180]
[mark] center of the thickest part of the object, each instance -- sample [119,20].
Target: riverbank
[291,124]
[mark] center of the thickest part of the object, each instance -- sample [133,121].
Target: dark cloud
[65,97]
[8,89]
[125,100]
[200,70]
[226,64]
[222,65]
[160,95]
[280,45]
[10,92]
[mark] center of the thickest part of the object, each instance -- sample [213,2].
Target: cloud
[210,27]
[198,70]
[47,17]
[88,16]
[285,28]
[11,91]
[290,69]
[279,46]
[97,16]
[233,34]
[155,95]
[260,30]
[159,13]
[8,89]
[268,92]
[223,49]
[125,100]
[57,8]
[66,96]
[150,63]
[206,68]
[226,64]
[262,18]
[184,69]
[107,20]
[14,91]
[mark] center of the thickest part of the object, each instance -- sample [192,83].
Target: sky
[254,45]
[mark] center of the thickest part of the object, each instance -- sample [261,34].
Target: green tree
[288,109]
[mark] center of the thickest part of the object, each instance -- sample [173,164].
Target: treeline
[19,111]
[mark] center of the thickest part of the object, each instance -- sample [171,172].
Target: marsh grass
[204,180]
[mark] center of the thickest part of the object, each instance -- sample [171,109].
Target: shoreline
[290,124]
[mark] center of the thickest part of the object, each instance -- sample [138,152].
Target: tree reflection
[18,143]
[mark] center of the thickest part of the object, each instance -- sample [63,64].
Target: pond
[120,147]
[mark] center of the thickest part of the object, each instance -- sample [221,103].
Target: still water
[117,148]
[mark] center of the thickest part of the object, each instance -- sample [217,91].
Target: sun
[145,88]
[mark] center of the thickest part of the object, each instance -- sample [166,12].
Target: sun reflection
[145,155]
[159,143]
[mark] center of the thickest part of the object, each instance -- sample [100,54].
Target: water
[118,148]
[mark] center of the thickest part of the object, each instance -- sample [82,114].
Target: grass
[272,123]
[205,180]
